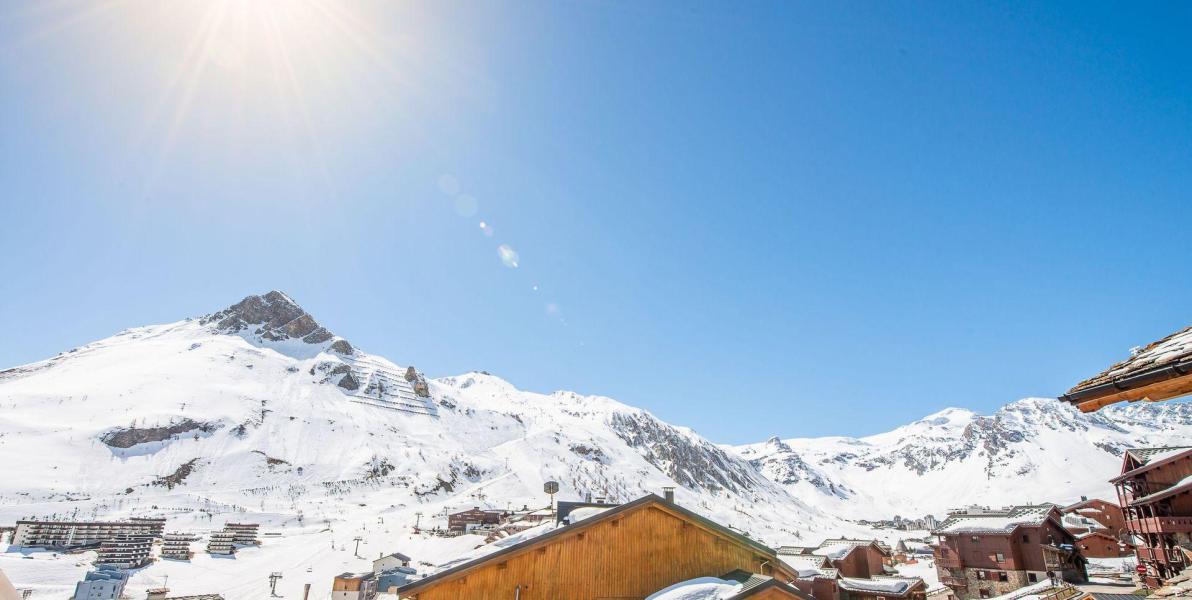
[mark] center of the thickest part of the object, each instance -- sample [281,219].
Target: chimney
[1083,498]
[668,494]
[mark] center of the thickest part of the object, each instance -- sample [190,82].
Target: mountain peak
[272,317]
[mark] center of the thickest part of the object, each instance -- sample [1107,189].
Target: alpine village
[654,547]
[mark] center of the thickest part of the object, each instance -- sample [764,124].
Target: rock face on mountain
[273,317]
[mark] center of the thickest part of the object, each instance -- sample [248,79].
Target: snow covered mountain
[259,408]
[1032,450]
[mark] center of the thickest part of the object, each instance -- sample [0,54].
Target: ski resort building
[855,558]
[987,553]
[77,534]
[1103,514]
[1098,544]
[1160,371]
[222,542]
[1155,492]
[626,551]
[466,520]
[815,575]
[244,534]
[390,561]
[907,550]
[125,551]
[354,586]
[104,583]
[176,546]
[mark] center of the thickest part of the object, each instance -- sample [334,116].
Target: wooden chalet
[816,575]
[625,552]
[855,558]
[1103,514]
[1099,544]
[989,553]
[1155,492]
[1160,371]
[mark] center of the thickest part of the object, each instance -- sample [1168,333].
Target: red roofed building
[1155,492]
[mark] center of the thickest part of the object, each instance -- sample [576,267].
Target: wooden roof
[612,513]
[1159,371]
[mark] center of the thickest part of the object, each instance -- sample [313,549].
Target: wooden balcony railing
[954,582]
[1161,524]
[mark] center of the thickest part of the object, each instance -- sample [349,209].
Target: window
[981,575]
[974,539]
[1003,576]
[1026,539]
[999,557]
[1031,577]
[984,593]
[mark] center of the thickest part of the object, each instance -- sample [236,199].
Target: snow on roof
[584,512]
[806,565]
[700,588]
[502,543]
[883,585]
[834,551]
[1166,351]
[839,548]
[1024,593]
[1001,521]
[1146,456]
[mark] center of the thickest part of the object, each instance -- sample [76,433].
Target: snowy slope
[1032,450]
[259,408]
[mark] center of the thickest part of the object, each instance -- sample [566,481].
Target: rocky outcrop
[693,464]
[131,436]
[273,317]
[178,476]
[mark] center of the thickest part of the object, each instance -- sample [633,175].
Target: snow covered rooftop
[999,521]
[1146,456]
[894,586]
[1171,349]
[702,588]
[839,548]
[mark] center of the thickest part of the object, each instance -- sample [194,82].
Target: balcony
[948,561]
[955,582]
[1162,555]
[1161,525]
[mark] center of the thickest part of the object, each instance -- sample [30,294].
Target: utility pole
[417,520]
[357,540]
[273,577]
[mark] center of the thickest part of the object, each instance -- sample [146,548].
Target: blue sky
[749,218]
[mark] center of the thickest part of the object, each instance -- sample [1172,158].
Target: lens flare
[508,255]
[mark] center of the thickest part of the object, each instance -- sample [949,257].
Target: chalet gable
[612,516]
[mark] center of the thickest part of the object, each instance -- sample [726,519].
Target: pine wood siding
[624,558]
